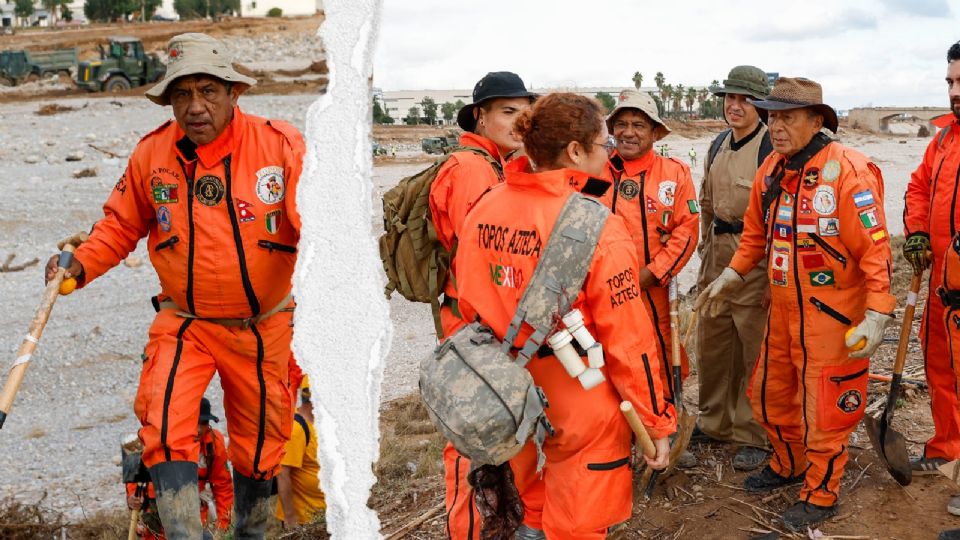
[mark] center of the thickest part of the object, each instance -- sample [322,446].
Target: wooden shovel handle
[907,324]
[32,339]
[646,443]
[134,517]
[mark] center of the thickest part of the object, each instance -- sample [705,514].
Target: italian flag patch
[693,206]
[273,221]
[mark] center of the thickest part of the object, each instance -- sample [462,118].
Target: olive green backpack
[415,261]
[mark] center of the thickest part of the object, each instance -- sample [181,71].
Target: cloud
[818,27]
[918,8]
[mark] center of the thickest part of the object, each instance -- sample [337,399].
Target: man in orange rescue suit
[816,212]
[728,344]
[949,295]
[212,469]
[466,175]
[213,192]
[930,220]
[656,198]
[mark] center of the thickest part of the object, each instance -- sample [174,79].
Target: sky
[863,53]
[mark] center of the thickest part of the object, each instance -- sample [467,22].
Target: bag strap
[559,274]
[715,147]
[306,427]
[766,146]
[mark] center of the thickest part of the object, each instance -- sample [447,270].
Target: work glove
[710,301]
[870,329]
[917,251]
[498,501]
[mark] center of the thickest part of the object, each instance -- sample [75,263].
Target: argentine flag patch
[864,198]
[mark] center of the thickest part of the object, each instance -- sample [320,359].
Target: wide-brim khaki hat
[195,54]
[798,93]
[643,102]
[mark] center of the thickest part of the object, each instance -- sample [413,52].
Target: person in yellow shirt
[298,484]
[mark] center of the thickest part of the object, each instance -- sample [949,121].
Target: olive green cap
[746,80]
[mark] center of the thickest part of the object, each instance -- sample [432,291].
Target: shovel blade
[891,448]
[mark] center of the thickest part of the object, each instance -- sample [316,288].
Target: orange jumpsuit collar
[633,167]
[477,141]
[945,120]
[212,153]
[555,182]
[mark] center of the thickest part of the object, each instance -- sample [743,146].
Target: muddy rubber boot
[178,499]
[251,507]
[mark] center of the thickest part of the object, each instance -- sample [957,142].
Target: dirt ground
[708,501]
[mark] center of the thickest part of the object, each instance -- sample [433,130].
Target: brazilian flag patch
[821,278]
[693,206]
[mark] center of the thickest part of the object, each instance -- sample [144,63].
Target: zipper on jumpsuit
[646,261]
[255,310]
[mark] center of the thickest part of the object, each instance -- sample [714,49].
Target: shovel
[890,446]
[32,339]
[685,420]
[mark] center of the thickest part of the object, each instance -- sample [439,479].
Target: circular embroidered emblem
[629,189]
[666,192]
[831,170]
[270,187]
[823,200]
[209,190]
[850,401]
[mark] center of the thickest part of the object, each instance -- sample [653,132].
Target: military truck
[122,66]
[438,145]
[19,66]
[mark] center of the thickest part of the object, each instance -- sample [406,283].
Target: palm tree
[690,98]
[677,98]
[702,96]
[665,92]
[638,80]
[659,79]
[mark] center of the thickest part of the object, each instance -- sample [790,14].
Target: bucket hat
[193,54]
[205,413]
[746,80]
[642,101]
[798,93]
[496,84]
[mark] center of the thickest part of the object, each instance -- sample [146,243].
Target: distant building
[397,103]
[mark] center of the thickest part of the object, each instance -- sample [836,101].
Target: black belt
[722,227]
[950,299]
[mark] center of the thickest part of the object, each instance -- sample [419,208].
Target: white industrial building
[397,103]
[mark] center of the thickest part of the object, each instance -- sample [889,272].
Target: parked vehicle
[122,66]
[19,66]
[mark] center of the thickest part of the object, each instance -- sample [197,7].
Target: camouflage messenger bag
[481,398]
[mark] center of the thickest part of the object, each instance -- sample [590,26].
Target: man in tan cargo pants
[728,344]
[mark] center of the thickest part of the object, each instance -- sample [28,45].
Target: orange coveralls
[213,469]
[459,184]
[222,230]
[949,299]
[828,261]
[587,478]
[657,200]
[930,206]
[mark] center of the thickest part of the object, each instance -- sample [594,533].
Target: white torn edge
[911,298]
[21,360]
[342,331]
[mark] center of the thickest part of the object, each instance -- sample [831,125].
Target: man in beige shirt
[728,344]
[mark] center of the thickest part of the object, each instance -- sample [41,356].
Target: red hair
[554,121]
